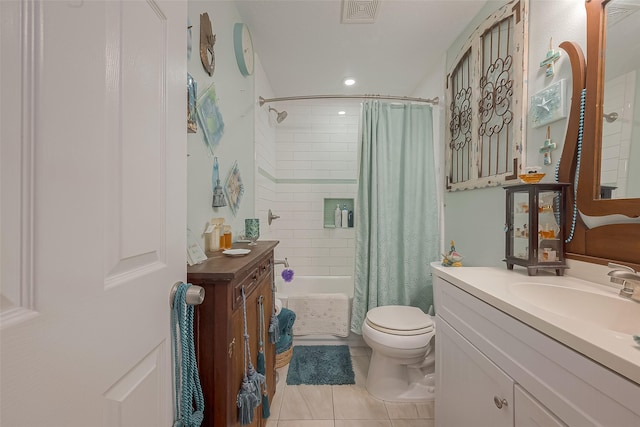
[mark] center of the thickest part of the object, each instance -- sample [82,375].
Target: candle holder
[252,230]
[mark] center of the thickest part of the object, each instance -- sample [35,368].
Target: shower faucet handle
[271,217]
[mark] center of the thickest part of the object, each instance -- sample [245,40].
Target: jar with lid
[216,232]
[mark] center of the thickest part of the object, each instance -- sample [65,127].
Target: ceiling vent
[359,11]
[619,10]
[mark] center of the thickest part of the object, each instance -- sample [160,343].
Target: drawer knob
[500,402]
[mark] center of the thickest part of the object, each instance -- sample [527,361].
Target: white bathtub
[304,285]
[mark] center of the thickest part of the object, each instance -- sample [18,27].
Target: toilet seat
[401,367]
[399,320]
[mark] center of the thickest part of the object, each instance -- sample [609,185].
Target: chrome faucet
[628,278]
[281,261]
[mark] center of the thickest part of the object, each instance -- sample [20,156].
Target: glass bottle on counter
[216,233]
[227,237]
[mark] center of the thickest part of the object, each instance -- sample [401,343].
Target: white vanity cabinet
[530,412]
[493,370]
[467,384]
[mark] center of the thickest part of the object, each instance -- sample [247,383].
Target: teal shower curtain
[397,232]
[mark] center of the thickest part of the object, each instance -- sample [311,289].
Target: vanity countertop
[493,285]
[219,266]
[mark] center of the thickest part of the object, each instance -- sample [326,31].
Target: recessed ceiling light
[349,82]
[342,113]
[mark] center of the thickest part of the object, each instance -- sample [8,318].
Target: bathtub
[304,285]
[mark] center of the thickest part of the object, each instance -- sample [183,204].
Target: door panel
[16,168]
[103,170]
[129,399]
[143,101]
[136,163]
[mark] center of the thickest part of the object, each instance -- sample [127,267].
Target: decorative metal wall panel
[460,127]
[486,89]
[495,108]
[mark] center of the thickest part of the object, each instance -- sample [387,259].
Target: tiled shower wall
[316,157]
[616,136]
[265,152]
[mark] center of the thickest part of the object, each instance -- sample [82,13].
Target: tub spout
[281,261]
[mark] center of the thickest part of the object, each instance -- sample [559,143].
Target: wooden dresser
[219,327]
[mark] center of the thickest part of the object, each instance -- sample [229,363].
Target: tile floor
[343,405]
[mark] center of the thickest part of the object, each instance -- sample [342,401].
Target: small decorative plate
[236,252]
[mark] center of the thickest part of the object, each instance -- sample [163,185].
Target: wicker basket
[284,358]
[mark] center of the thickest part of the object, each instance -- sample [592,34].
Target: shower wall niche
[330,208]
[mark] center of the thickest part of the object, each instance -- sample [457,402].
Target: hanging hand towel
[189,402]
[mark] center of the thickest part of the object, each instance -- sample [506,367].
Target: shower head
[281,115]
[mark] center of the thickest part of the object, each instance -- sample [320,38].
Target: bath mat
[320,364]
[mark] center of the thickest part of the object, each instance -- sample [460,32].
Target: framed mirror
[606,228]
[590,195]
[620,150]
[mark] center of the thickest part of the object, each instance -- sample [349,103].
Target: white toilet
[402,361]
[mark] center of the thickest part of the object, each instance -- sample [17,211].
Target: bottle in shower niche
[344,216]
[338,216]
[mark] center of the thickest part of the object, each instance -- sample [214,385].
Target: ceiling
[623,43]
[306,50]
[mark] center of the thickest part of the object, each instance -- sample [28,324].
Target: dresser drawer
[264,268]
[250,282]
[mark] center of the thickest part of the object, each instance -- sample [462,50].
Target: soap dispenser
[338,216]
[345,216]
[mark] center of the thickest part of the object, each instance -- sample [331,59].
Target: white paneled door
[93,209]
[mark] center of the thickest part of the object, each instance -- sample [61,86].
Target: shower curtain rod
[433,101]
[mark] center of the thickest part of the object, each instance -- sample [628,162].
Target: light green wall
[475,218]
[236,99]
[633,177]
[490,7]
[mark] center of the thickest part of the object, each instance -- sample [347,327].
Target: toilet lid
[399,320]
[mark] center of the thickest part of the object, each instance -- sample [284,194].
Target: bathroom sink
[594,306]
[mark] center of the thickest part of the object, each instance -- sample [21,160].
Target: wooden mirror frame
[614,242]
